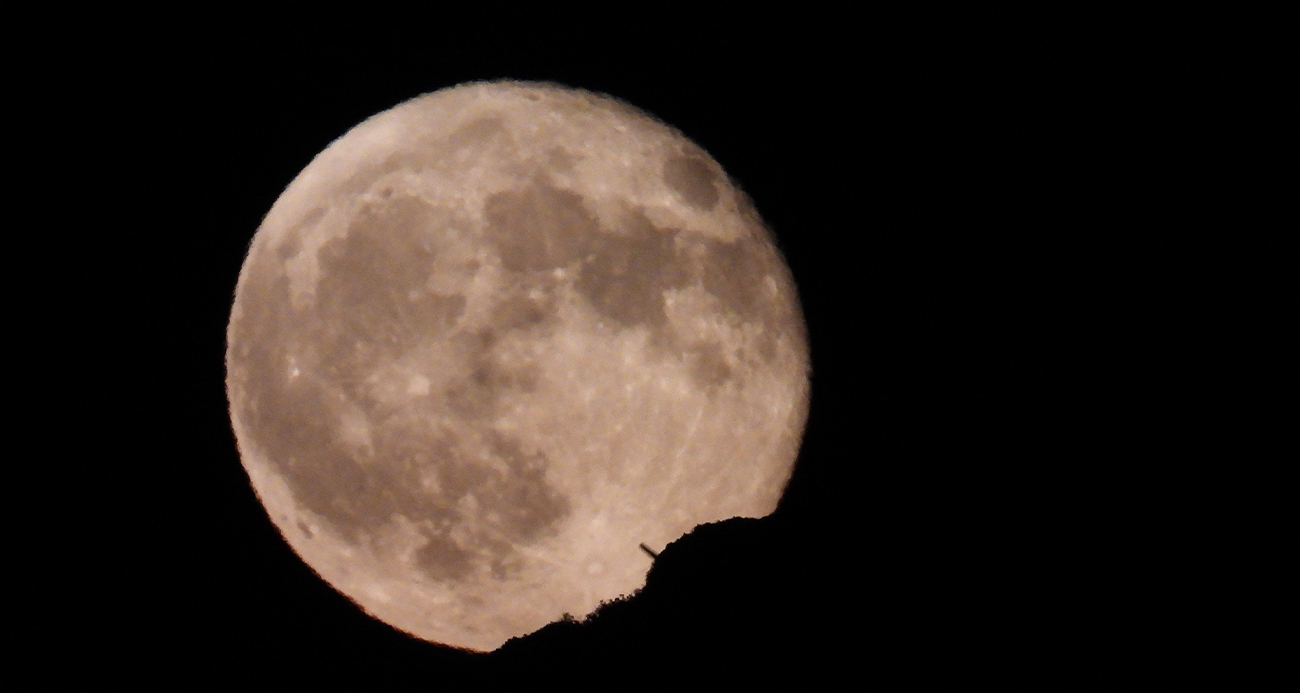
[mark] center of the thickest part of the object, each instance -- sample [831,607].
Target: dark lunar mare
[624,272]
[372,306]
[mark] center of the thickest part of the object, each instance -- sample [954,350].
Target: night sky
[1009,253]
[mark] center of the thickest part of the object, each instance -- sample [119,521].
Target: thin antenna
[647,550]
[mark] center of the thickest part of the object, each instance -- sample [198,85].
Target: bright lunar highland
[491,340]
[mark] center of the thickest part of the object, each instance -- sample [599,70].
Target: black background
[1015,258]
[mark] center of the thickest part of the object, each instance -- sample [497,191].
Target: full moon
[492,340]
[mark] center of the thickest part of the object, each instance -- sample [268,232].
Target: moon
[491,340]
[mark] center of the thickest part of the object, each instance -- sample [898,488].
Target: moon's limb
[492,340]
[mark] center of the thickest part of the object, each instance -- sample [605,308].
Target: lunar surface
[493,339]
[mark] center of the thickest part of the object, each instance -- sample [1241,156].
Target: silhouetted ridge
[717,600]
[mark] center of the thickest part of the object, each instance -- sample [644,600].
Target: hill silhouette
[749,599]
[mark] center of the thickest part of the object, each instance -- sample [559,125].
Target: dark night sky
[1000,240]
